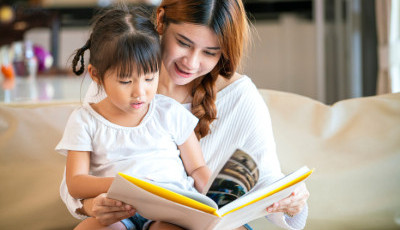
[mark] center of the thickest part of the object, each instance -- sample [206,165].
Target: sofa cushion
[354,146]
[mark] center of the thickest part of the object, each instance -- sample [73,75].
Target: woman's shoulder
[239,85]
[223,82]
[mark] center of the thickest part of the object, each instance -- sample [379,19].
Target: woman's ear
[93,73]
[160,20]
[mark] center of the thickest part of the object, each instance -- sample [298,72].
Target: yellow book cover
[230,200]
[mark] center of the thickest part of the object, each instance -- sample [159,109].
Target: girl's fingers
[99,210]
[112,217]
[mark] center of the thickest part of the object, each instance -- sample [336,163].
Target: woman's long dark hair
[227,18]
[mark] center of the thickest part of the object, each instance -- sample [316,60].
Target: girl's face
[130,95]
[189,51]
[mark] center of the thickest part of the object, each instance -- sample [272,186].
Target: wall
[282,56]
[70,40]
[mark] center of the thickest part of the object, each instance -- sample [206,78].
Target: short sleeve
[185,125]
[174,117]
[76,134]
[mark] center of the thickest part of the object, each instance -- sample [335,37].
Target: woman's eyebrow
[191,42]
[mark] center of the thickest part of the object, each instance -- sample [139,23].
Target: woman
[202,45]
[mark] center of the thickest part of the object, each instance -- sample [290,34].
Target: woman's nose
[192,60]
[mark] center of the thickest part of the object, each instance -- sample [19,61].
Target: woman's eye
[183,44]
[210,53]
[150,79]
[125,82]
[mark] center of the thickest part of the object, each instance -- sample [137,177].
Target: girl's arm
[80,184]
[194,163]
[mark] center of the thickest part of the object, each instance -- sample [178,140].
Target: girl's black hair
[122,38]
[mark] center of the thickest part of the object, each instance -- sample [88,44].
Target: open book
[231,200]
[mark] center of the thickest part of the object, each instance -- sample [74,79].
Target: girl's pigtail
[80,55]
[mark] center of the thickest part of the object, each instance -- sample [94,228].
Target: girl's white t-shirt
[147,151]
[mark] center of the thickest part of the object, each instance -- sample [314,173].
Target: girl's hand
[107,211]
[292,204]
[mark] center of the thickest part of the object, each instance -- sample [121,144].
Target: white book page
[192,195]
[249,197]
[253,211]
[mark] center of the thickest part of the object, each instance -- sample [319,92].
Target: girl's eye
[125,82]
[183,44]
[151,77]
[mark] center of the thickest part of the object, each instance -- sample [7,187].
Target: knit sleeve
[261,142]
[293,223]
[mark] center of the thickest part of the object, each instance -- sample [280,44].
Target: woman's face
[189,51]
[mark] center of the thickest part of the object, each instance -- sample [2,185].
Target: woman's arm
[80,184]
[249,126]
[194,163]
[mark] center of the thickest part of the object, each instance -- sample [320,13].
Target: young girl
[132,130]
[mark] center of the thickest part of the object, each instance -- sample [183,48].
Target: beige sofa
[354,146]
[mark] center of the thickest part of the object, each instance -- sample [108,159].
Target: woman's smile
[182,73]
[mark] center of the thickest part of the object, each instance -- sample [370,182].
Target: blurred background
[328,50]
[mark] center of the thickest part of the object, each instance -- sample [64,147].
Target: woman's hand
[107,211]
[292,204]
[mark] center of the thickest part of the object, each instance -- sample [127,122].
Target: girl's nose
[138,90]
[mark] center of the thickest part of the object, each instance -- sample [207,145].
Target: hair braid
[80,55]
[203,104]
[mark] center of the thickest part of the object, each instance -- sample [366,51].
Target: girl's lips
[137,105]
[182,73]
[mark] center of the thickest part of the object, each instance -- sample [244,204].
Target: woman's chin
[178,80]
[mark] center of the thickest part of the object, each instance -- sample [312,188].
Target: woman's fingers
[292,204]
